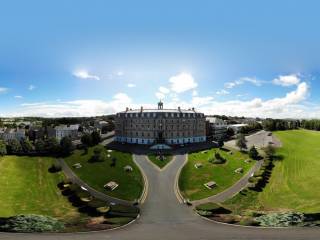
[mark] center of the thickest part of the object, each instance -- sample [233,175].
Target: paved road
[163,217]
[233,190]
[259,139]
[99,195]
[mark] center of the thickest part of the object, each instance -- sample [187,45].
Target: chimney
[127,109]
[179,109]
[141,109]
[193,109]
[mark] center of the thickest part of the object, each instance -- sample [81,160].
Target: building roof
[159,111]
[65,127]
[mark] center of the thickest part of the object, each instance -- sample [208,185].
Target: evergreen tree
[253,153]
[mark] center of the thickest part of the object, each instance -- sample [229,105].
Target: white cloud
[194,93]
[164,90]
[18,97]
[131,85]
[242,80]
[83,74]
[122,97]
[287,80]
[160,95]
[222,92]
[120,73]
[31,87]
[201,101]
[290,105]
[3,90]
[182,82]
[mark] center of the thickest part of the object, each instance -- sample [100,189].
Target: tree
[66,146]
[269,151]
[99,154]
[3,148]
[253,153]
[14,147]
[52,146]
[230,132]
[241,142]
[40,146]
[26,146]
[86,139]
[96,138]
[220,143]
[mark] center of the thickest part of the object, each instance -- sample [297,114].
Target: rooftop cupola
[160,105]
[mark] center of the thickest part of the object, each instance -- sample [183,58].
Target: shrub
[207,206]
[31,223]
[281,219]
[248,222]
[99,155]
[56,167]
[213,208]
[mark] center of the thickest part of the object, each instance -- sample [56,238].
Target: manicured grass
[294,183]
[28,187]
[153,158]
[97,174]
[192,179]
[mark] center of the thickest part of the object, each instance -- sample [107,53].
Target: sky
[87,58]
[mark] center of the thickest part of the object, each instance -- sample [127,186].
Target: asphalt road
[163,217]
[259,139]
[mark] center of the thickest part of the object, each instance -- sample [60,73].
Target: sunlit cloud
[83,74]
[182,82]
[243,80]
[222,92]
[287,80]
[3,90]
[131,85]
[31,87]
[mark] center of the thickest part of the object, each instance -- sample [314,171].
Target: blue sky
[74,58]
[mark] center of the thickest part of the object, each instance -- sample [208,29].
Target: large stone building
[157,126]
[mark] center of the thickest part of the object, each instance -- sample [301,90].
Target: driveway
[163,217]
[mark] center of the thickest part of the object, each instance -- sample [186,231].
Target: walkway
[233,190]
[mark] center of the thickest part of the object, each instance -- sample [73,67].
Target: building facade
[216,128]
[10,134]
[62,131]
[158,126]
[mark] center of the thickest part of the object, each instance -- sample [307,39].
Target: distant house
[35,133]
[62,131]
[10,134]
[216,128]
[236,127]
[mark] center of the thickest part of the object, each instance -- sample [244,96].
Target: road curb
[145,182]
[176,181]
[251,227]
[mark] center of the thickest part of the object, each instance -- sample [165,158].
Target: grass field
[294,183]
[153,158]
[192,179]
[28,187]
[99,173]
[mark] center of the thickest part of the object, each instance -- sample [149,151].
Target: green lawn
[153,158]
[28,187]
[99,173]
[192,179]
[294,183]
